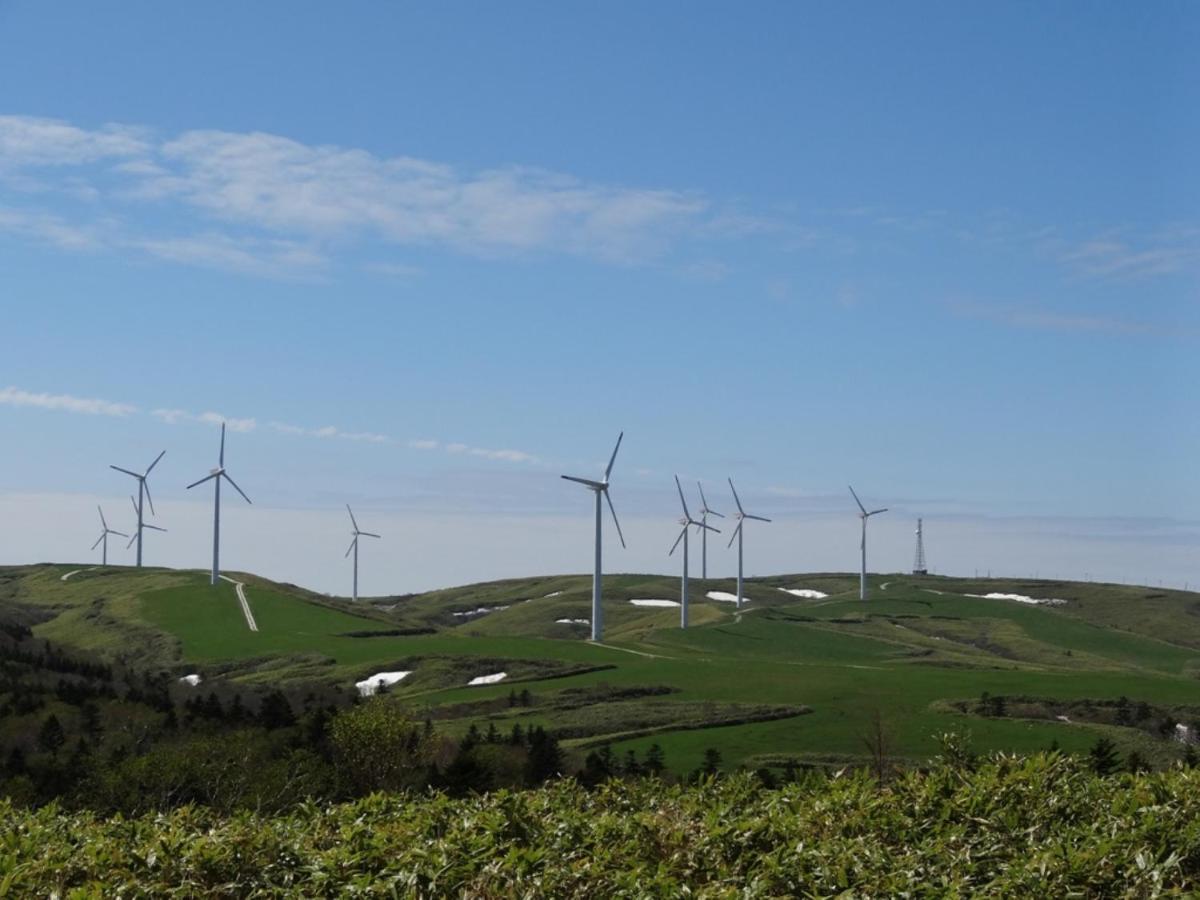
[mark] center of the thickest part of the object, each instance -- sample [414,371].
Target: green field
[905,654]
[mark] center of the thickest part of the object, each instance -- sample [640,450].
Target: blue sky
[430,256]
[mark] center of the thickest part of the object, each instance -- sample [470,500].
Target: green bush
[1040,826]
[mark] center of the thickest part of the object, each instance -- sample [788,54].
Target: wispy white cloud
[330,431]
[518,456]
[288,202]
[424,444]
[1113,255]
[29,141]
[1052,320]
[12,396]
[177,416]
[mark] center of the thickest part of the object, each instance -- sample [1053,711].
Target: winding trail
[241,595]
[77,571]
[635,652]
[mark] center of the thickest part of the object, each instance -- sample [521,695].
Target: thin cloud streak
[11,396]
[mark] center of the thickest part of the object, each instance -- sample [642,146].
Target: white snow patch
[654,602]
[369,686]
[481,611]
[554,594]
[572,621]
[725,597]
[806,593]
[488,679]
[1063,719]
[1020,598]
[1183,734]
[191,680]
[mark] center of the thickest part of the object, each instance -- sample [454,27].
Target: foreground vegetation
[1039,826]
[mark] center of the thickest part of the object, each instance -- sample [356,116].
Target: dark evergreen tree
[276,711]
[712,761]
[655,762]
[51,736]
[545,758]
[1103,757]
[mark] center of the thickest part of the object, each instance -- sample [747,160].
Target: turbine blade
[613,510]
[154,528]
[856,500]
[98,540]
[679,487]
[671,552]
[352,522]
[119,533]
[222,460]
[736,532]
[194,483]
[235,487]
[612,459]
[351,547]
[131,540]
[149,499]
[155,463]
[133,503]
[876,511]
[758,518]
[736,499]
[709,527]
[703,502]
[713,512]
[102,522]
[126,471]
[368,534]
[594,485]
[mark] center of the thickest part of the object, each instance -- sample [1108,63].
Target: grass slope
[917,643]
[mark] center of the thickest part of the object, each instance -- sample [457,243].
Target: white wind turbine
[137,534]
[687,522]
[703,528]
[215,476]
[600,487]
[103,539]
[864,515]
[143,492]
[354,546]
[741,517]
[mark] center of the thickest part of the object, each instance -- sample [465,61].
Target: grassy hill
[787,679]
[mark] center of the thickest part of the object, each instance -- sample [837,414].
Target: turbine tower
[354,546]
[103,539]
[703,528]
[864,515]
[687,522]
[137,534]
[215,476]
[919,567]
[741,517]
[143,491]
[598,488]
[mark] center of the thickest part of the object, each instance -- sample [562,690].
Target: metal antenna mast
[919,558]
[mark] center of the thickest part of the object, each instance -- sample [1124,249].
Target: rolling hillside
[791,678]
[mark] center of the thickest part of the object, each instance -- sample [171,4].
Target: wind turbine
[137,534]
[864,515]
[354,546]
[687,522]
[703,528]
[600,487]
[143,491]
[215,476]
[103,539]
[741,517]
